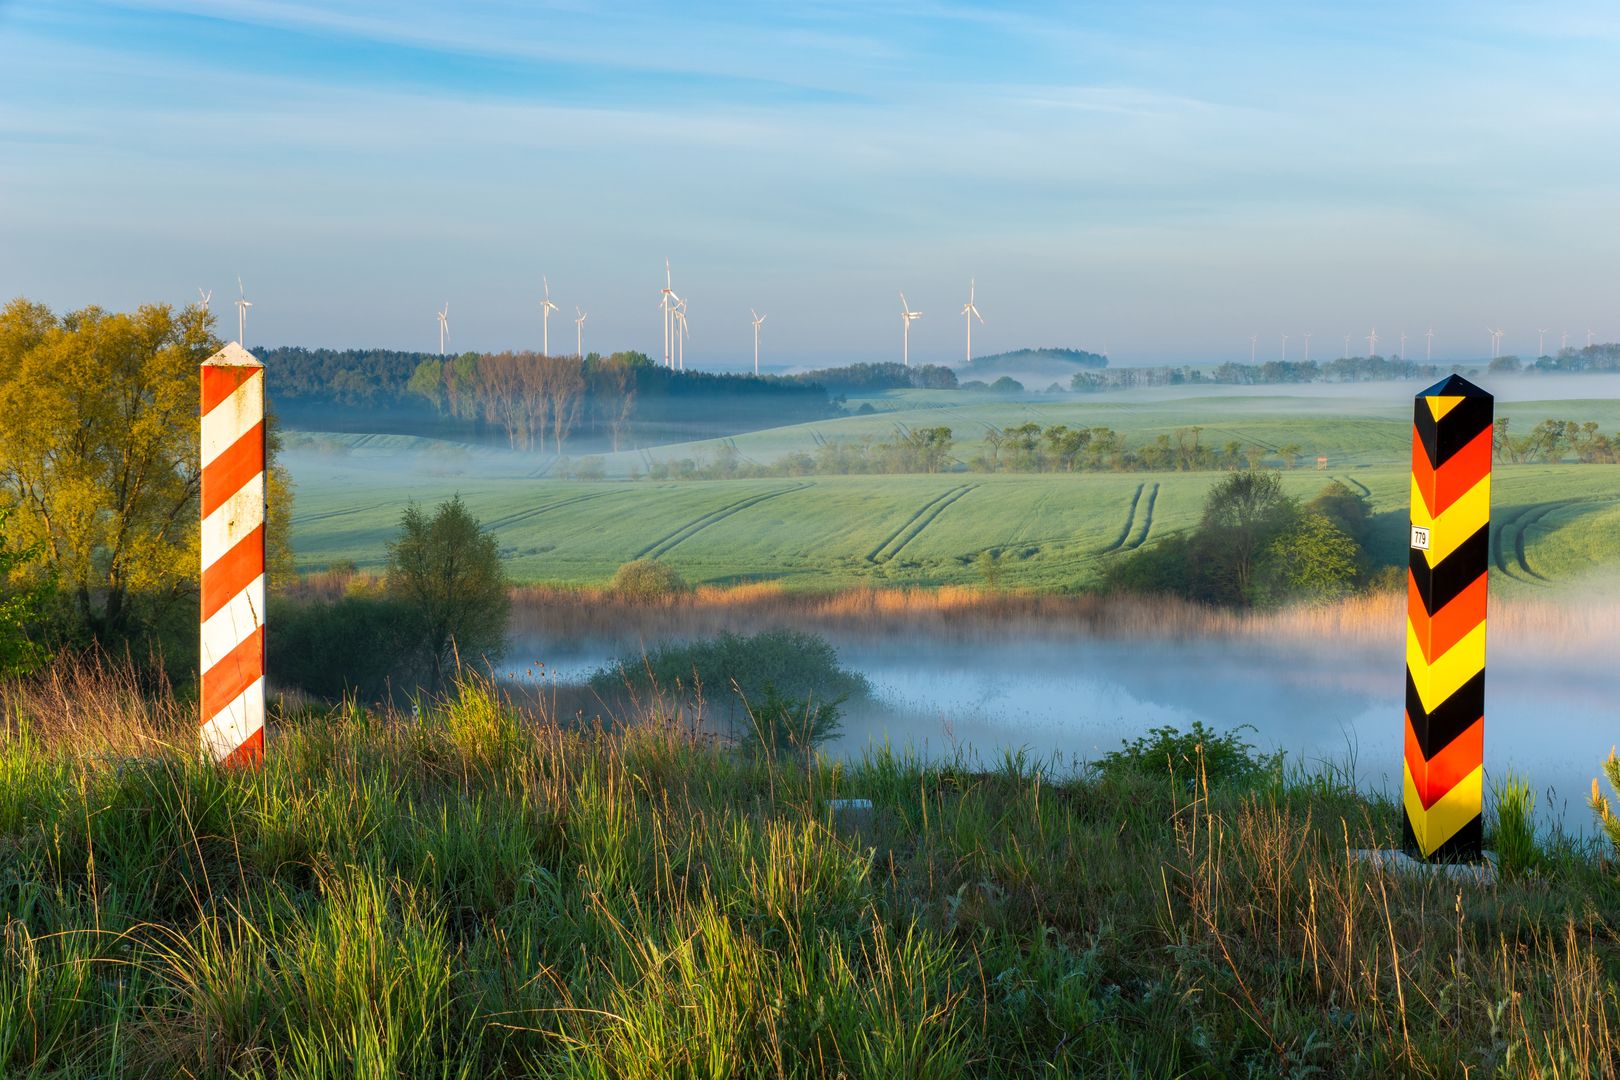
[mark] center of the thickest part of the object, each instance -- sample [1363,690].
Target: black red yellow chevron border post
[1448,569]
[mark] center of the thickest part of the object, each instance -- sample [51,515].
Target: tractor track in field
[669,541]
[915,524]
[929,519]
[535,511]
[305,519]
[1366,492]
[1147,522]
[1125,529]
[1511,530]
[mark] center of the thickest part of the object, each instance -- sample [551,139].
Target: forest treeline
[1345,369]
[869,377]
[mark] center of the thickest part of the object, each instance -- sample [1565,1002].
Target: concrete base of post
[1397,861]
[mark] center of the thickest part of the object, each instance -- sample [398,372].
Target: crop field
[1554,523]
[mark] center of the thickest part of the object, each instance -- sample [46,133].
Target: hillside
[1048,363]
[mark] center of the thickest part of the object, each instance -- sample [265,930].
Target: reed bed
[959,613]
[485,892]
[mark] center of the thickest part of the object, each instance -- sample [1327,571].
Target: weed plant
[486,893]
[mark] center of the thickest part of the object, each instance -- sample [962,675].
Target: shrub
[784,724]
[1224,758]
[357,645]
[647,581]
[737,672]
[1516,849]
[1600,803]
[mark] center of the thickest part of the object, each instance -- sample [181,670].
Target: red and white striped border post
[233,461]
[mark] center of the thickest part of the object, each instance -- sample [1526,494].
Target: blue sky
[1161,178]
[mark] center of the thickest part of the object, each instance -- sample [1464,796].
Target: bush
[737,672]
[1224,758]
[1516,848]
[359,645]
[1607,821]
[783,724]
[647,581]
[22,611]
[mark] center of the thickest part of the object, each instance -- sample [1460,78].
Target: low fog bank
[1326,696]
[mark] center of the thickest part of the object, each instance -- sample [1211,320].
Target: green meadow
[1553,523]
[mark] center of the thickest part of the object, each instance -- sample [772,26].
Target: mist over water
[1550,707]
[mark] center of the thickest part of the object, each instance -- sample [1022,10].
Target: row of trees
[99,473]
[1025,448]
[1590,359]
[1554,441]
[1347,369]
[529,397]
[876,377]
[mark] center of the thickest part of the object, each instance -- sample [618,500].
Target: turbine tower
[681,333]
[665,299]
[1541,341]
[969,313]
[758,318]
[1285,347]
[242,304]
[1563,340]
[1346,352]
[907,317]
[1372,343]
[1254,341]
[1403,346]
[1496,342]
[1307,346]
[444,326]
[1590,334]
[1428,353]
[579,332]
[546,308]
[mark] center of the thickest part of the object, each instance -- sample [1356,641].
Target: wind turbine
[1285,348]
[546,308]
[1346,353]
[242,304]
[1541,342]
[907,317]
[1563,341]
[206,296]
[969,313]
[1372,343]
[1428,353]
[1589,336]
[664,305]
[1254,340]
[444,326]
[1496,342]
[579,332]
[1307,346]
[681,332]
[758,318]
[1403,346]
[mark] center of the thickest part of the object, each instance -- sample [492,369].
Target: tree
[1242,514]
[99,462]
[1311,559]
[447,571]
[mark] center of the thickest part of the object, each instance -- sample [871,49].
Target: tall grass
[486,892]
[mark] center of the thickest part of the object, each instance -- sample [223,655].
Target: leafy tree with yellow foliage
[99,465]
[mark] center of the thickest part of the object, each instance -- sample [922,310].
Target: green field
[1555,523]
